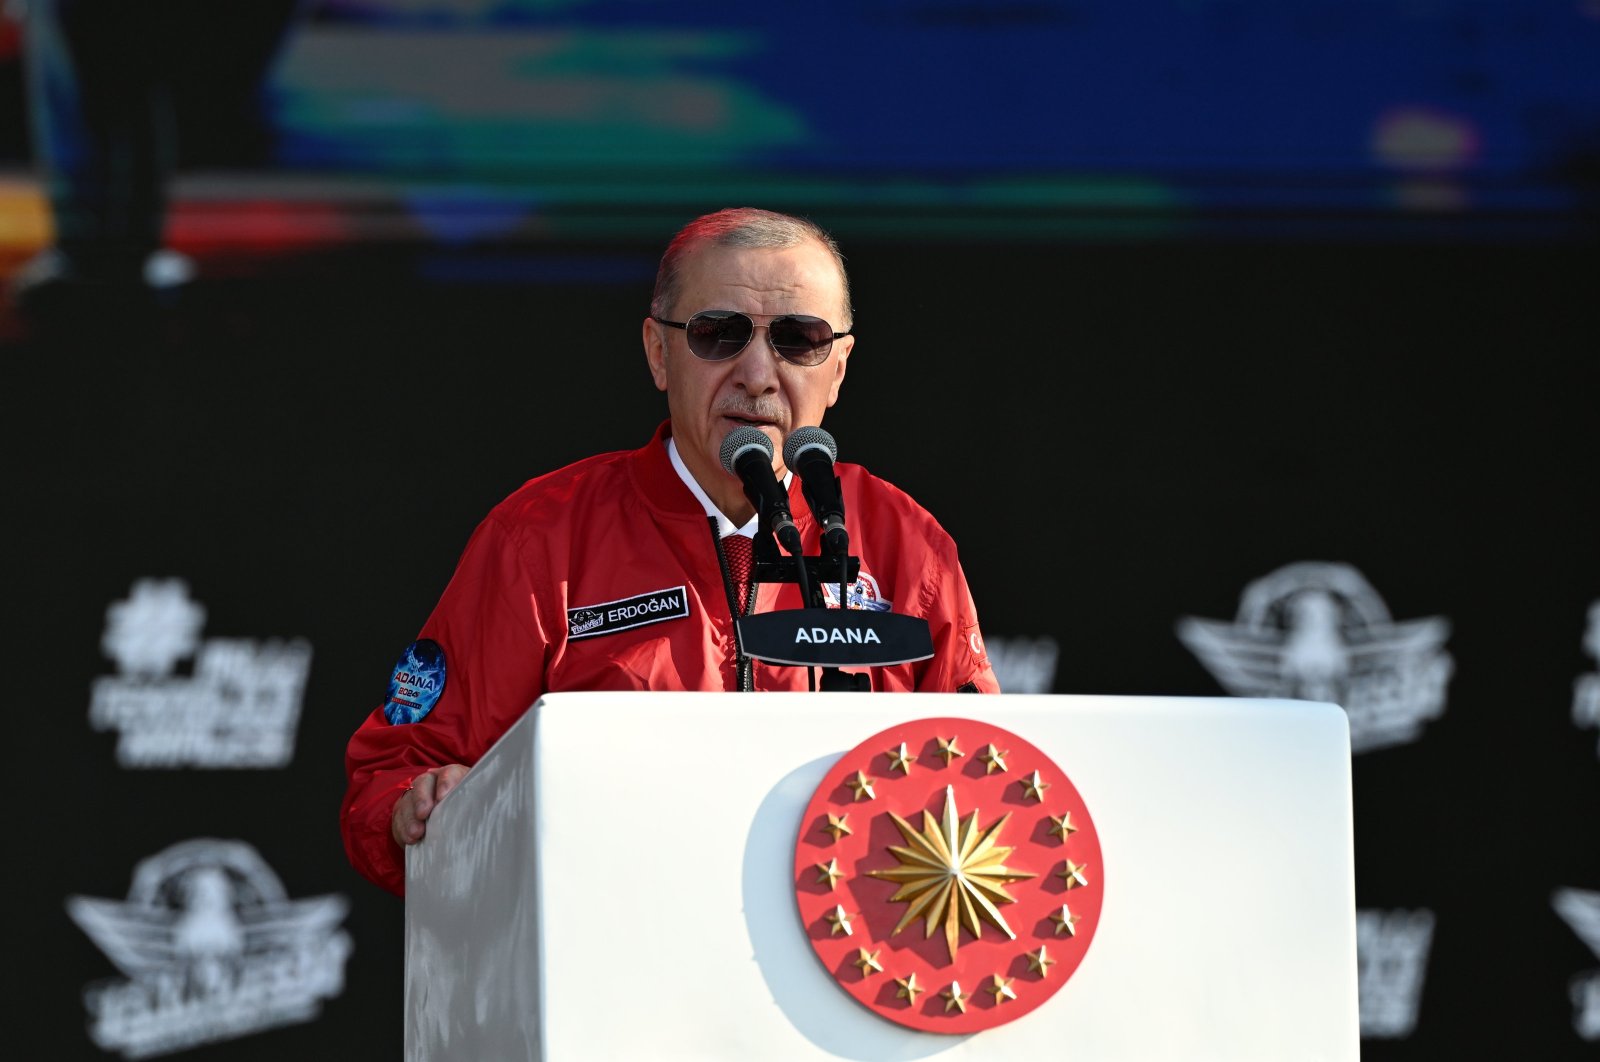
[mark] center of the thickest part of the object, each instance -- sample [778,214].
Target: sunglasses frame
[773,318]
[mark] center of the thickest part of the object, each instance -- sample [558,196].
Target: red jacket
[523,615]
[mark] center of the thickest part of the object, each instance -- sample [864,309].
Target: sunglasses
[717,335]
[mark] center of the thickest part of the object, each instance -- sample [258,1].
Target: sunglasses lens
[801,339]
[717,335]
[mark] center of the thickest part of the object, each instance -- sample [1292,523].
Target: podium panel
[616,879]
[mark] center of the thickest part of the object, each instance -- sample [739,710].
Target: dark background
[1123,406]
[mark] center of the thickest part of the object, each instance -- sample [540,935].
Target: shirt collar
[725,526]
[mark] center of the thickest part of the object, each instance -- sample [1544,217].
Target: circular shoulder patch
[948,875]
[417,682]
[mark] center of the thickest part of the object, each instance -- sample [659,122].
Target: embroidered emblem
[416,684]
[864,594]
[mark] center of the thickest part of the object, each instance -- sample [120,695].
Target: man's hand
[409,822]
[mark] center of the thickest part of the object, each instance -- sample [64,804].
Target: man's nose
[756,368]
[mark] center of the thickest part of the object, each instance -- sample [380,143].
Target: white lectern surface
[615,880]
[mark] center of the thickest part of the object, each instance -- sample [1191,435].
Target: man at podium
[626,571]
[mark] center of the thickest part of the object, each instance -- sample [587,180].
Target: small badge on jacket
[417,682]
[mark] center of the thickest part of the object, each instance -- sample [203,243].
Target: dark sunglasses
[717,335]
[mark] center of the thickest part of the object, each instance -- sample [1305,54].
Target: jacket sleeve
[489,627]
[960,664]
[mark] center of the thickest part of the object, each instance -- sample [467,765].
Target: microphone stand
[810,571]
[833,679]
[814,636]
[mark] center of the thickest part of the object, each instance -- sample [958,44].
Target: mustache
[755,409]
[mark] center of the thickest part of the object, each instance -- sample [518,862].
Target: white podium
[615,880]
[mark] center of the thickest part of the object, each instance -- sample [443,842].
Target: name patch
[610,617]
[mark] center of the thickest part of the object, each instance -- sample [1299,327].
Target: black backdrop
[1118,436]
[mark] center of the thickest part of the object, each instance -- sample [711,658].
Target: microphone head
[740,440]
[802,439]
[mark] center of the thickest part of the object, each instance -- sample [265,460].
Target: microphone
[811,452]
[747,453]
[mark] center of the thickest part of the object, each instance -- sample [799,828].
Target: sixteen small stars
[1001,988]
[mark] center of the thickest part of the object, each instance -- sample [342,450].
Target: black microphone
[811,452]
[747,453]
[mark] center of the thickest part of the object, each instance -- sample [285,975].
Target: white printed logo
[212,949]
[1318,631]
[1586,690]
[1392,957]
[1024,665]
[239,706]
[864,594]
[1581,910]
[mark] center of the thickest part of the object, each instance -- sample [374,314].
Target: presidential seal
[948,875]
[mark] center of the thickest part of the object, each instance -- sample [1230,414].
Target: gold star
[836,825]
[1001,989]
[995,759]
[909,989]
[952,874]
[1066,922]
[1034,786]
[830,873]
[948,749]
[862,785]
[1062,827]
[868,962]
[1039,962]
[840,922]
[1072,874]
[957,999]
[901,758]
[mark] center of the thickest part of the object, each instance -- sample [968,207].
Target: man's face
[708,399]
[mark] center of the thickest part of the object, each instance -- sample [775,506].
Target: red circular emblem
[948,875]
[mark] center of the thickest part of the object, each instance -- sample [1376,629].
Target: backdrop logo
[1582,912]
[1392,957]
[1319,632]
[1586,690]
[212,949]
[238,707]
[1024,665]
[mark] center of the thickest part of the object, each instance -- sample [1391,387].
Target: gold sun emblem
[952,874]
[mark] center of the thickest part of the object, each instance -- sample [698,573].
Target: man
[623,571]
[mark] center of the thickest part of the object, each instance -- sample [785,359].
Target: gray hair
[741,227]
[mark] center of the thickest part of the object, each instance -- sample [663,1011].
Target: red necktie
[739,551]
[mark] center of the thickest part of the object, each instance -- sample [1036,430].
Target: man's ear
[655,352]
[841,348]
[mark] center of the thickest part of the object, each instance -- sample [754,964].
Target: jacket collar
[658,481]
[666,493]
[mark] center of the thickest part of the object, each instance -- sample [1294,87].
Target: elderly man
[625,571]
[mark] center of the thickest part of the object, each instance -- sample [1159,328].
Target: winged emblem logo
[1318,631]
[1580,909]
[211,948]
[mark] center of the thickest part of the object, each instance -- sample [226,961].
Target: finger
[423,794]
[449,777]
[404,826]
